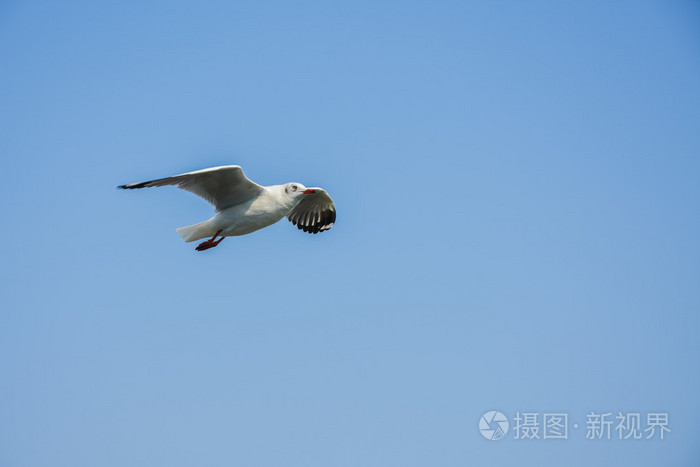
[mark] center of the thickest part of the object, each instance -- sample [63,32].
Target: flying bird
[243,206]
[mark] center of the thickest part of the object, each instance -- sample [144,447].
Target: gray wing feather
[223,186]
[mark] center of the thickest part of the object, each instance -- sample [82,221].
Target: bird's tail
[196,231]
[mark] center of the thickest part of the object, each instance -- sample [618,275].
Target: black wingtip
[132,186]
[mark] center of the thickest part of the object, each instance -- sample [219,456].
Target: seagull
[243,206]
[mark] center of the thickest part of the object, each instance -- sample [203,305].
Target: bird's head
[297,190]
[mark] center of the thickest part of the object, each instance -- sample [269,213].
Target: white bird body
[242,207]
[241,219]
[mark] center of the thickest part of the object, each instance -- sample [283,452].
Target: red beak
[309,191]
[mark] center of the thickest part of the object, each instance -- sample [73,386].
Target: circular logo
[493,425]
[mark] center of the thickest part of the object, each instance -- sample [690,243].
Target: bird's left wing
[315,213]
[223,186]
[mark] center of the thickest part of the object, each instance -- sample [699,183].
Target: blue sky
[517,195]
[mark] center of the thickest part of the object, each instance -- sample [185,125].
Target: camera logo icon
[493,425]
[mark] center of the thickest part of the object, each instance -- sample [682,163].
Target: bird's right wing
[315,212]
[223,186]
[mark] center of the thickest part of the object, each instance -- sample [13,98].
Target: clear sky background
[517,187]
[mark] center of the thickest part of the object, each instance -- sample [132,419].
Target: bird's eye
[294,188]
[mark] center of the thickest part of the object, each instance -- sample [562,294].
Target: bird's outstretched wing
[222,186]
[315,213]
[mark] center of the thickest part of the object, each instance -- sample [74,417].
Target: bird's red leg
[209,243]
